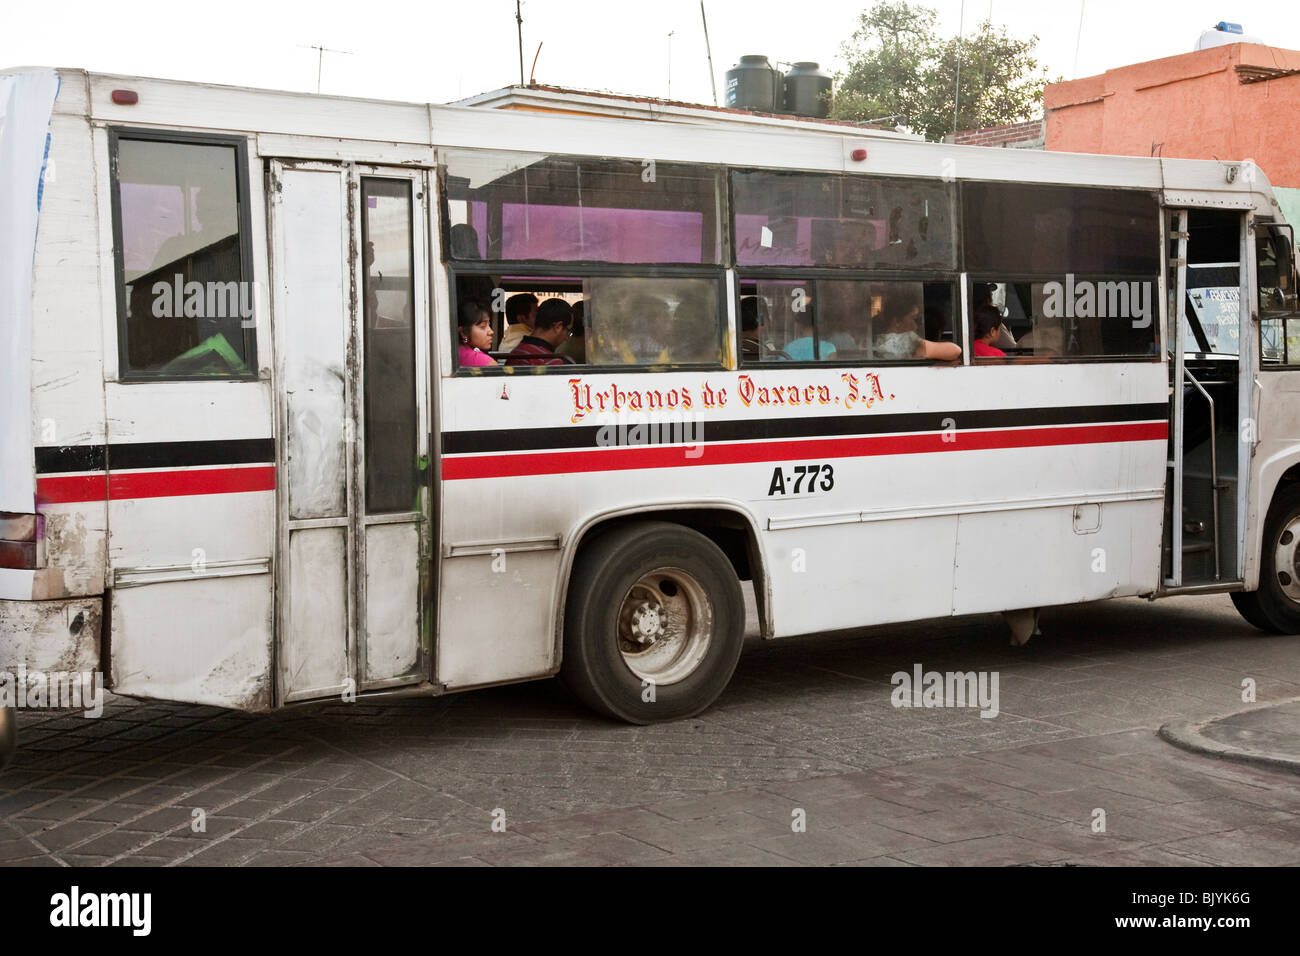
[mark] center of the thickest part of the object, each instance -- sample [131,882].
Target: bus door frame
[1174,220]
[348,676]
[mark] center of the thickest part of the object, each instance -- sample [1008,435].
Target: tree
[899,69]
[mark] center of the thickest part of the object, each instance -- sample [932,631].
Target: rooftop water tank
[754,84]
[1222,34]
[807,91]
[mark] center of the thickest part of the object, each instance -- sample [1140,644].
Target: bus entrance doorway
[350,314]
[1209,338]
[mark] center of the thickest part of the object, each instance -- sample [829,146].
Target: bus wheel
[654,623]
[1276,605]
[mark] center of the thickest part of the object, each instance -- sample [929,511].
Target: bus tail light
[18,537]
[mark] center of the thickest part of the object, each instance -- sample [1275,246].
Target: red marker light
[858,155]
[126,97]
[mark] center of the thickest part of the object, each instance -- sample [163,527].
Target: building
[1231,102]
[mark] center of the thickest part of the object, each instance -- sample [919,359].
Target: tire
[653,625]
[1275,607]
[1247,605]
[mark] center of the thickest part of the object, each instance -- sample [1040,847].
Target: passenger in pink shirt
[987,322]
[475,330]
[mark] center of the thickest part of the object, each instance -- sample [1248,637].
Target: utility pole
[709,50]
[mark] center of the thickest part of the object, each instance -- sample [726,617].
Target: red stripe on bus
[63,489]
[677,456]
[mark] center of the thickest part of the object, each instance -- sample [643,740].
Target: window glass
[1214,297]
[814,219]
[391,472]
[1059,230]
[522,206]
[1275,279]
[616,320]
[186,305]
[854,320]
[1082,317]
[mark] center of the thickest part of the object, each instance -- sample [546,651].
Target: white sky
[440,50]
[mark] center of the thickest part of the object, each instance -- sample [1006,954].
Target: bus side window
[652,321]
[1077,268]
[185,291]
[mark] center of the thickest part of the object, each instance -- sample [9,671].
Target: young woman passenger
[474,327]
[896,336]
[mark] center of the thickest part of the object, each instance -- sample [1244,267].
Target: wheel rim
[1285,558]
[665,626]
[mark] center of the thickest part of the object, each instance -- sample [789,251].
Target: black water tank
[754,84]
[807,91]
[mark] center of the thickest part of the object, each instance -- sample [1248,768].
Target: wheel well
[729,530]
[1291,475]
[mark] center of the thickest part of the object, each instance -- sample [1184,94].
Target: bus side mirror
[1275,269]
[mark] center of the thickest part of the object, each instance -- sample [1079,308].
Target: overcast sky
[439,51]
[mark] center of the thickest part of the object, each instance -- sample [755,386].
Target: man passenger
[552,326]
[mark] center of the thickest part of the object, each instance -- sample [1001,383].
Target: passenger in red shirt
[553,325]
[987,322]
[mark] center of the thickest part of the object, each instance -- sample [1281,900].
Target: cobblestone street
[806,725]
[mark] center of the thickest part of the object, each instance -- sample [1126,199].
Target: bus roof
[312,126]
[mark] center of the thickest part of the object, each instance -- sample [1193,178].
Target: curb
[1189,735]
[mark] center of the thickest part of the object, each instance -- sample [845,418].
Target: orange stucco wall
[1191,106]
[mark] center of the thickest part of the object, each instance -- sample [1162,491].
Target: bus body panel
[899,535]
[912,526]
[1276,453]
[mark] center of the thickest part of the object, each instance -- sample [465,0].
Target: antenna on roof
[534,69]
[1078,39]
[519,19]
[320,59]
[709,51]
[956,93]
[670,63]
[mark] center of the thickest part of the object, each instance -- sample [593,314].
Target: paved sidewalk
[1267,735]
[1125,799]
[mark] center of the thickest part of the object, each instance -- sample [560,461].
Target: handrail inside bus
[1214,471]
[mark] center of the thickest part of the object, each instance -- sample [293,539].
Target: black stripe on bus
[154,454]
[584,436]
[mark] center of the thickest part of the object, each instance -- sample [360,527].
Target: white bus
[247,463]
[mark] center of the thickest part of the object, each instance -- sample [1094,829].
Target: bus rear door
[350,312]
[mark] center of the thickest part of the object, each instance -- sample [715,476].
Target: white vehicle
[247,459]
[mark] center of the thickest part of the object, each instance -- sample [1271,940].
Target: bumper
[50,636]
